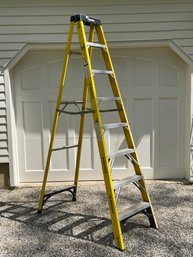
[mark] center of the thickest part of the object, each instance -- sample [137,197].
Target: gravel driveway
[83,228]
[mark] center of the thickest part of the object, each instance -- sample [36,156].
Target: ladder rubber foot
[39,211]
[74,198]
[122,250]
[149,214]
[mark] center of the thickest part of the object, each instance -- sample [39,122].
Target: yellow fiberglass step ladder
[107,159]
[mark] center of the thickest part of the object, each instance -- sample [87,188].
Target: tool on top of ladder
[107,159]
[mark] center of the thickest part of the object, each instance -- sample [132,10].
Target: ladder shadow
[79,225]
[82,226]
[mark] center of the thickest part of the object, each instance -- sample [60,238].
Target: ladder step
[133,210]
[71,102]
[96,45]
[115,125]
[108,72]
[64,147]
[121,153]
[108,98]
[126,181]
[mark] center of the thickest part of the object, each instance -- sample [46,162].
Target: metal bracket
[76,103]
[149,214]
[139,186]
[71,189]
[130,157]
[111,162]
[117,193]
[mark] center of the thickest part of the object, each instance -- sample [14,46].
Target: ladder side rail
[82,120]
[117,93]
[114,85]
[100,137]
[122,114]
[63,76]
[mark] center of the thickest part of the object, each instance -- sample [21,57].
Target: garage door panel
[114,137]
[168,92]
[143,130]
[34,73]
[116,140]
[87,160]
[168,75]
[62,127]
[29,95]
[109,117]
[168,131]
[120,164]
[102,84]
[74,125]
[143,72]
[54,69]
[146,92]
[33,144]
[60,158]
[75,74]
[120,62]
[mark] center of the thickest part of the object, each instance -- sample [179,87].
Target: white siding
[24,21]
[3,126]
[44,20]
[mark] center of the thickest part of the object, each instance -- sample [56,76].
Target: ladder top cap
[86,19]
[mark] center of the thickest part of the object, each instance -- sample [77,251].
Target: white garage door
[152,82]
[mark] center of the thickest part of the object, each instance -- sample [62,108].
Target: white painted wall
[43,20]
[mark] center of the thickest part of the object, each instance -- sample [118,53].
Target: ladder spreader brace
[113,188]
[76,104]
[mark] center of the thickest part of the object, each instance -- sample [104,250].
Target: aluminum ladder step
[126,181]
[71,102]
[114,125]
[121,153]
[96,45]
[108,72]
[108,98]
[131,211]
